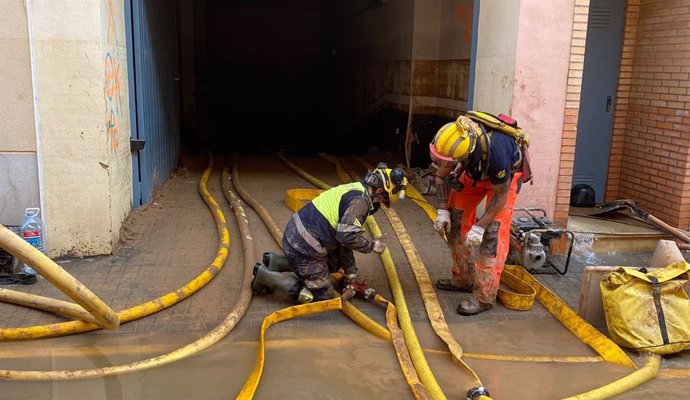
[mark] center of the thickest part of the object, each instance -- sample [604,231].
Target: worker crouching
[321,237]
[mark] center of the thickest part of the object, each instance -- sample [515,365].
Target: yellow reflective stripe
[349,228]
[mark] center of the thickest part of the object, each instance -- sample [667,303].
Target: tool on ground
[531,241]
[631,205]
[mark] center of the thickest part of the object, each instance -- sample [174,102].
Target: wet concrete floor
[317,357]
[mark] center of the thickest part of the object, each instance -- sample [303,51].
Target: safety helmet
[455,140]
[393,181]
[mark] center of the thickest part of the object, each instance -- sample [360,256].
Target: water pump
[531,239]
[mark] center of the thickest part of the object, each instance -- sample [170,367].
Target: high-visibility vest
[328,202]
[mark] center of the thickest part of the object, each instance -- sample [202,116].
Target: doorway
[599,83]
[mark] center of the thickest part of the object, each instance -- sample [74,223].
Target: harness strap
[656,292]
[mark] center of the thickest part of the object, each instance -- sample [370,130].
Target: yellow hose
[393,334]
[642,375]
[104,316]
[413,345]
[46,304]
[67,352]
[190,349]
[596,340]
[152,306]
[252,383]
[261,210]
[604,346]
[515,275]
[426,289]
[401,351]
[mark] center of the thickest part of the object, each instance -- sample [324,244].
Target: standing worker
[476,161]
[320,238]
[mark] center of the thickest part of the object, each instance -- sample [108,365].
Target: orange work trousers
[482,272]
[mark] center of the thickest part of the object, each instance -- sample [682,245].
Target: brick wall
[650,150]
[572,106]
[623,94]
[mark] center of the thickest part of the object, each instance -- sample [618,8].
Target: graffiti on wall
[112,85]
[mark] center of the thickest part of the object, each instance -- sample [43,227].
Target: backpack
[648,311]
[508,126]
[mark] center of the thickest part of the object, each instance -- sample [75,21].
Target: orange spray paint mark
[464,17]
[112,86]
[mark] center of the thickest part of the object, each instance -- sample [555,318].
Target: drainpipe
[37,123]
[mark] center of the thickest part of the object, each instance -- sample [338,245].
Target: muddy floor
[324,356]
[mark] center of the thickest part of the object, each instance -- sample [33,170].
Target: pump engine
[531,239]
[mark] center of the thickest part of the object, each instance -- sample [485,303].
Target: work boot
[448,285]
[472,306]
[265,281]
[276,262]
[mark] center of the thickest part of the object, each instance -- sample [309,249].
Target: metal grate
[600,17]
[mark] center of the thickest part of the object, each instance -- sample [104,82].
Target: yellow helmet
[455,140]
[393,181]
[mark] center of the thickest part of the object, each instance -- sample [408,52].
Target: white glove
[379,246]
[442,222]
[474,236]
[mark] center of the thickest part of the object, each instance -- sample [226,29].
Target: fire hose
[600,343]
[200,344]
[393,334]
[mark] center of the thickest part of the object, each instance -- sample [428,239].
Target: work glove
[379,246]
[474,236]
[349,282]
[442,223]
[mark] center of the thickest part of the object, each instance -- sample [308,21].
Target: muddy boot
[450,286]
[276,262]
[472,306]
[265,281]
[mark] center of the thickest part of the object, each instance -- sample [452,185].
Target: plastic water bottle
[32,231]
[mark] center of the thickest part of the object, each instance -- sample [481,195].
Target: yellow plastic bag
[648,311]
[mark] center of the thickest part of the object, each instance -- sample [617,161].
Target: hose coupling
[477,393]
[369,293]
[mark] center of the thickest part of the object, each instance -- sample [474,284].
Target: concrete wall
[407,60]
[116,116]
[19,187]
[532,42]
[455,29]
[496,53]
[543,50]
[441,52]
[81,87]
